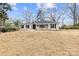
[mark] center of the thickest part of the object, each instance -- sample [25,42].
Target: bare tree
[73,12]
[52,15]
[57,15]
[41,15]
[28,15]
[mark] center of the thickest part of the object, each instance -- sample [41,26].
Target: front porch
[40,26]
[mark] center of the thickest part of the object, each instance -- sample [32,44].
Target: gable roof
[40,22]
[43,22]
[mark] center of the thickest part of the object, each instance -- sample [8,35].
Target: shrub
[76,24]
[17,23]
[70,27]
[8,29]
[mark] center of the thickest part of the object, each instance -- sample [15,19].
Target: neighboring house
[40,25]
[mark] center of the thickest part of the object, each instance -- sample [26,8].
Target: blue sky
[18,9]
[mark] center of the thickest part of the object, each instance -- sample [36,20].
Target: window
[53,25]
[27,26]
[42,26]
[22,26]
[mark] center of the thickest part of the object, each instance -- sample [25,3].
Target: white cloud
[46,5]
[14,8]
[39,5]
[25,8]
[50,5]
[12,4]
[70,4]
[77,3]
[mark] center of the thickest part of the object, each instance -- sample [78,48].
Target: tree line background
[71,10]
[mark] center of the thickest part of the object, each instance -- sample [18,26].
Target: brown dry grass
[40,43]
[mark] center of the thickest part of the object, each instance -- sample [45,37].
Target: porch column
[24,26]
[57,27]
[48,26]
[30,26]
[36,26]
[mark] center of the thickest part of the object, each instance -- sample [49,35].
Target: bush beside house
[76,26]
[5,29]
[8,27]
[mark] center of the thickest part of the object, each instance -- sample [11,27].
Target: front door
[34,26]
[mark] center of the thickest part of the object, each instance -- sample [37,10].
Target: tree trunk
[74,14]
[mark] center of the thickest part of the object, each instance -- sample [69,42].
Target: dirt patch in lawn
[65,42]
